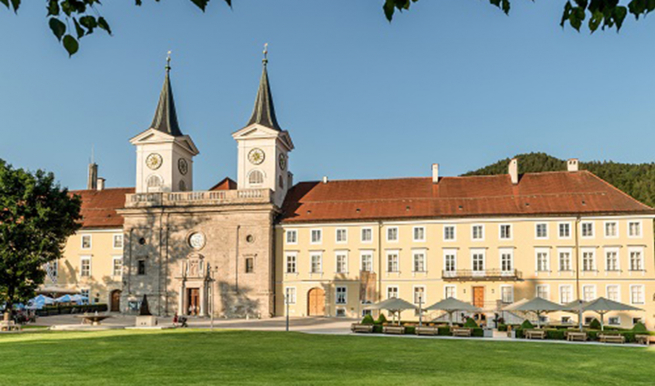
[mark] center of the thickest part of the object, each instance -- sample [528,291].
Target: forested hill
[638,180]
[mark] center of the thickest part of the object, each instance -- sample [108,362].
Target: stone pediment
[194,266]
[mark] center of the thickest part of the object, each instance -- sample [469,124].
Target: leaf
[71,45]
[389,9]
[619,15]
[102,23]
[202,4]
[89,22]
[78,29]
[53,7]
[58,28]
[5,2]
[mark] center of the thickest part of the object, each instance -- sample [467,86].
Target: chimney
[572,165]
[92,181]
[325,179]
[514,170]
[435,173]
[100,184]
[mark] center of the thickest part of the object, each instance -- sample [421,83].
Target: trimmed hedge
[470,323]
[381,319]
[368,319]
[639,327]
[502,327]
[77,309]
[595,324]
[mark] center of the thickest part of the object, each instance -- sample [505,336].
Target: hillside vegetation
[638,180]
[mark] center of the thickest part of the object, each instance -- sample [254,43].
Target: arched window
[256,178]
[182,186]
[154,183]
[281,182]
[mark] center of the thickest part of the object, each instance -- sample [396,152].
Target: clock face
[256,156]
[183,166]
[283,161]
[154,161]
[197,241]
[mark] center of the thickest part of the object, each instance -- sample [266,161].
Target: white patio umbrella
[394,305]
[601,306]
[451,305]
[536,305]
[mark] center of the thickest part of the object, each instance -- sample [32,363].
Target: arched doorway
[316,302]
[115,301]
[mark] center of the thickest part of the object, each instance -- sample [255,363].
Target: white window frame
[643,294]
[295,262]
[113,241]
[336,235]
[311,262]
[419,240]
[82,260]
[361,235]
[616,228]
[361,259]
[290,295]
[336,262]
[388,254]
[445,291]
[639,250]
[594,261]
[561,298]
[82,242]
[345,295]
[559,232]
[424,253]
[542,286]
[595,294]
[293,232]
[454,227]
[608,250]
[425,294]
[500,232]
[641,229]
[618,321]
[473,226]
[114,259]
[536,231]
[537,251]
[397,234]
[397,290]
[479,251]
[320,236]
[506,251]
[511,287]
[593,229]
[446,252]
[618,292]
[560,251]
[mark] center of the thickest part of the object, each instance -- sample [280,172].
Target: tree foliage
[71,20]
[36,218]
[637,180]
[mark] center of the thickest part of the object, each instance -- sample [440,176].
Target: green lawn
[186,357]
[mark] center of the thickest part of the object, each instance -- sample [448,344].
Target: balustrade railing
[199,198]
[481,275]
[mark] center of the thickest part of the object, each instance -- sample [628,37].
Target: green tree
[36,218]
[71,20]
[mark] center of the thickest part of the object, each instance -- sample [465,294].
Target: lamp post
[420,310]
[286,302]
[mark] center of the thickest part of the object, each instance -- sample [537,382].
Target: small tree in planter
[381,319]
[595,324]
[368,319]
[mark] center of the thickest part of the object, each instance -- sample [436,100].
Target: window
[541,231]
[450,291]
[612,260]
[419,233]
[564,261]
[478,261]
[86,241]
[256,177]
[118,241]
[637,320]
[588,319]
[587,229]
[85,267]
[613,293]
[392,292]
[505,231]
[367,261]
[634,229]
[477,232]
[392,261]
[637,294]
[564,230]
[117,267]
[507,294]
[588,261]
[636,261]
[141,267]
[543,264]
[316,236]
[614,321]
[154,183]
[450,261]
[292,236]
[565,294]
[611,229]
[86,293]
[291,263]
[419,295]
[565,320]
[342,262]
[543,291]
[250,264]
[449,233]
[316,263]
[341,295]
[419,261]
[342,235]
[506,260]
[392,234]
[52,270]
[367,235]
[290,295]
[588,292]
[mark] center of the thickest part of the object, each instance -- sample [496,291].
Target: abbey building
[328,248]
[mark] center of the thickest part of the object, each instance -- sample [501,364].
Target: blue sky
[454,81]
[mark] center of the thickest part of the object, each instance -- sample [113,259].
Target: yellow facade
[612,261]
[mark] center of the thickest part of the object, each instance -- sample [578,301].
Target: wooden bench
[425,330]
[576,336]
[645,339]
[611,338]
[534,334]
[363,328]
[393,330]
[459,331]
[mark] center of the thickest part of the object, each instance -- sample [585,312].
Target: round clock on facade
[256,156]
[283,161]
[183,166]
[197,240]
[154,161]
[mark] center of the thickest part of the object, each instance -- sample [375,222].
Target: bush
[502,327]
[444,331]
[410,330]
[639,327]
[595,324]
[381,319]
[470,323]
[368,319]
[478,332]
[377,329]
[526,325]
[556,334]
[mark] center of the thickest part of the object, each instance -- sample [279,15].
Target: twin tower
[165,154]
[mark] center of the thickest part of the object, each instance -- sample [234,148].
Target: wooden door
[116,301]
[478,297]
[194,301]
[316,302]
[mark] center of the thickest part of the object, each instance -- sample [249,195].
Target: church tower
[263,147]
[164,156]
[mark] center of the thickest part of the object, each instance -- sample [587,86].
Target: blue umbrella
[39,302]
[64,299]
[79,298]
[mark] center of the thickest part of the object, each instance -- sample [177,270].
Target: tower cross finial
[265,60]
[168,61]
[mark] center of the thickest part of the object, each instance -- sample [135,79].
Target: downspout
[577,271]
[166,269]
[160,258]
[379,260]
[236,263]
[129,267]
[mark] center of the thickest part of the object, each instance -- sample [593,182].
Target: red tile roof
[99,207]
[226,184]
[549,193]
